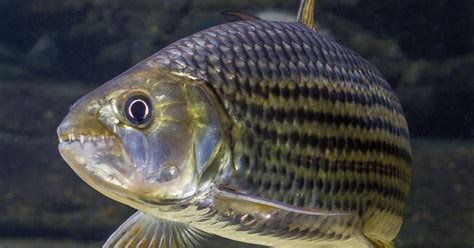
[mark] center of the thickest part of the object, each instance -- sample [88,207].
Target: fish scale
[316,125]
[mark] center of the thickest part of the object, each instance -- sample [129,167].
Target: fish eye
[138,109]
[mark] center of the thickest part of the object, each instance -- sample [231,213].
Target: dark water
[52,52]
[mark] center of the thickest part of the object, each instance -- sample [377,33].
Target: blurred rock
[43,55]
[438,97]
[440,211]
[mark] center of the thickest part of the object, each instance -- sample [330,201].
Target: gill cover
[163,138]
[177,147]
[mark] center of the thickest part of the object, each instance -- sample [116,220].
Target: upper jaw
[70,137]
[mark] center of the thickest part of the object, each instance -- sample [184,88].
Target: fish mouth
[104,164]
[100,161]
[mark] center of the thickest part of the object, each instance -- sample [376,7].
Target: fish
[261,132]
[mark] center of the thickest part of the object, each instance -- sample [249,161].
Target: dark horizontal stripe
[301,115]
[314,164]
[316,93]
[322,143]
[333,187]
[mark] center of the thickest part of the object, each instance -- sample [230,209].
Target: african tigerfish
[257,131]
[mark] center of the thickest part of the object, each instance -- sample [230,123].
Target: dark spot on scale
[285,92]
[300,202]
[300,115]
[319,184]
[333,96]
[283,138]
[299,181]
[327,188]
[360,212]
[337,186]
[309,183]
[291,176]
[360,188]
[353,206]
[273,135]
[295,93]
[353,185]
[370,187]
[279,115]
[267,185]
[290,115]
[275,90]
[314,92]
[323,142]
[345,186]
[276,186]
[304,91]
[325,93]
[294,137]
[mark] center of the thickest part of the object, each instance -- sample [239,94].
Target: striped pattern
[315,125]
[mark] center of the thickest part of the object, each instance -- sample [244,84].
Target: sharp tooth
[115,128]
[70,137]
[82,139]
[73,137]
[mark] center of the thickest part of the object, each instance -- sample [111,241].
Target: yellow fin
[144,230]
[306,13]
[241,15]
[377,243]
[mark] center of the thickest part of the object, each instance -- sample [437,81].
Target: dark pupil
[137,109]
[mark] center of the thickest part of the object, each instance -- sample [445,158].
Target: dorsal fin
[306,13]
[241,15]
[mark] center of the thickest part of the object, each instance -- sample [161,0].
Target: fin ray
[306,13]
[144,230]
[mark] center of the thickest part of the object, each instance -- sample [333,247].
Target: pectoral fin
[255,202]
[144,230]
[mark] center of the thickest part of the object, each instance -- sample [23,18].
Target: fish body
[257,131]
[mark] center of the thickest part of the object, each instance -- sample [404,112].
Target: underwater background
[54,51]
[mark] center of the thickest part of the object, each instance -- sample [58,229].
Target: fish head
[145,138]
